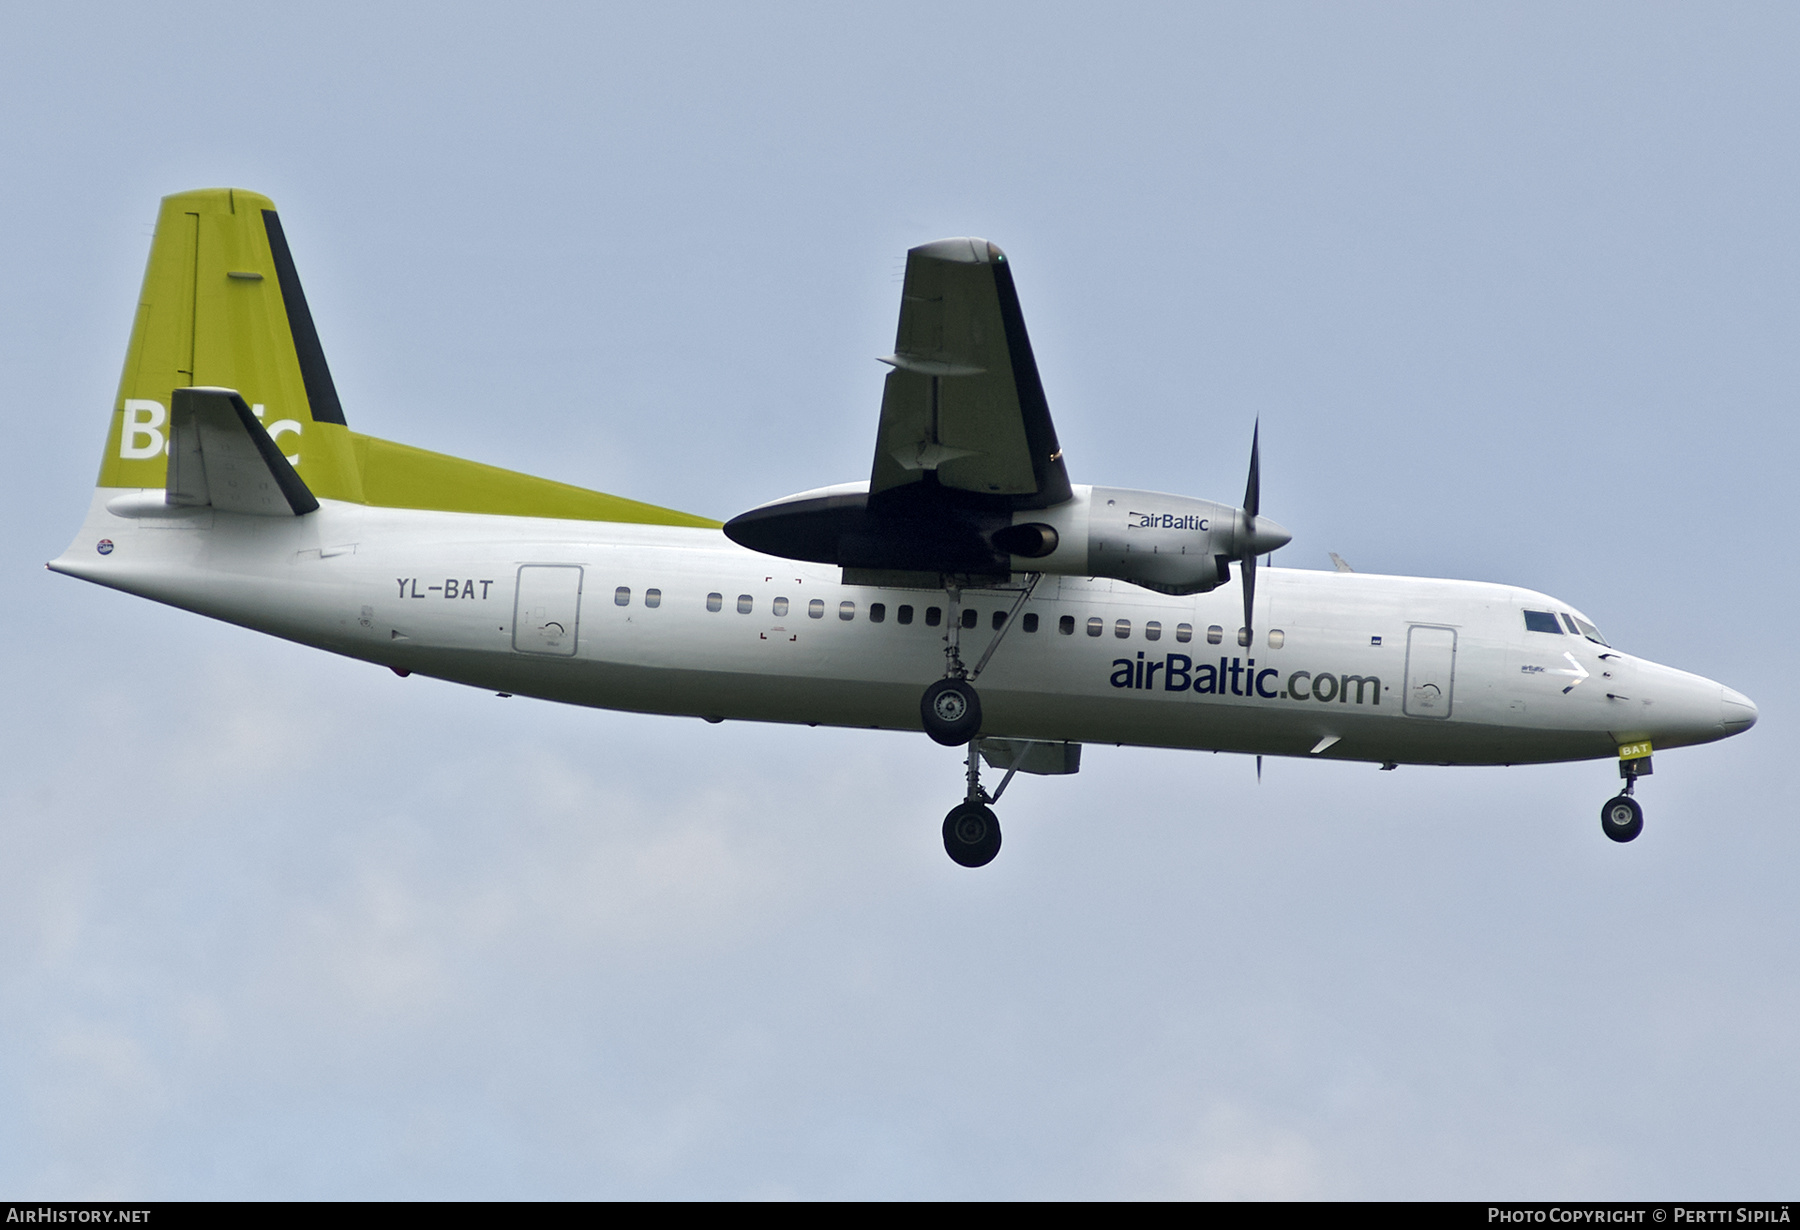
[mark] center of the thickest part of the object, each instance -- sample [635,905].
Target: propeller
[1260,536]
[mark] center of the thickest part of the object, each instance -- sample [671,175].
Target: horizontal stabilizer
[220,455]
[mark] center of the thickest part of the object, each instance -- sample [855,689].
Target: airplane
[232,486]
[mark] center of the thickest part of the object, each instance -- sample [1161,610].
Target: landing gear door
[1430,671]
[548,609]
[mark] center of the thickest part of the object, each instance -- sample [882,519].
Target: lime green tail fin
[222,306]
[222,309]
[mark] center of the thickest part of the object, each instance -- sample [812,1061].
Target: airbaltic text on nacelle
[1170,521]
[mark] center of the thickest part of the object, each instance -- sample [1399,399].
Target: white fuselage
[1355,665]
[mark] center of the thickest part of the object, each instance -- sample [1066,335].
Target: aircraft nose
[1737,712]
[1682,709]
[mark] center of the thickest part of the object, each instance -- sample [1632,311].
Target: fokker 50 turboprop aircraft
[233,486]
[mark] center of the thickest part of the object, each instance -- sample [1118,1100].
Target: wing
[963,409]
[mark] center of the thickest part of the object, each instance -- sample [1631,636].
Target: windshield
[1592,633]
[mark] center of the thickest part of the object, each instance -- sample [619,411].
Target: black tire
[971,835]
[1622,819]
[950,711]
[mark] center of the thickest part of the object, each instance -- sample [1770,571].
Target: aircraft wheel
[950,711]
[971,835]
[1622,819]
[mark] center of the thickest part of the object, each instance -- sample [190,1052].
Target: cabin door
[1430,671]
[548,609]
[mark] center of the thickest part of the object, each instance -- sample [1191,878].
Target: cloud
[1232,1157]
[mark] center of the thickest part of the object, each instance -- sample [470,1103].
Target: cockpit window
[1569,623]
[1542,621]
[1592,633]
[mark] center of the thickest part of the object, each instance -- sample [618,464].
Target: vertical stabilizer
[222,307]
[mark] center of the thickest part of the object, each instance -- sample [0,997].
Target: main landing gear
[972,834]
[1622,819]
[971,830]
[950,710]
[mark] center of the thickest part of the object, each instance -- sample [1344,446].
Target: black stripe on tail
[321,393]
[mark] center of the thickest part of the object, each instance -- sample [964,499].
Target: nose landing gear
[1622,819]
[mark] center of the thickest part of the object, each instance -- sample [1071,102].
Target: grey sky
[1514,291]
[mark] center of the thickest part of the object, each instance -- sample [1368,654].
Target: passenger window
[904,614]
[1031,621]
[780,607]
[1244,638]
[653,597]
[969,617]
[933,616]
[1096,626]
[1214,635]
[1122,629]
[1153,631]
[999,620]
[816,609]
[1066,625]
[1277,638]
[877,612]
[1184,633]
[745,603]
[622,596]
[846,610]
[714,601]
[1542,621]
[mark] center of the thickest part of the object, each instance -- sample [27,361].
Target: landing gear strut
[972,830]
[1622,819]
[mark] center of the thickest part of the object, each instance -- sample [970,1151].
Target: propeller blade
[1253,488]
[1259,537]
[1249,572]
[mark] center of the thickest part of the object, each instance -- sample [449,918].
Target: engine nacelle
[1171,543]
